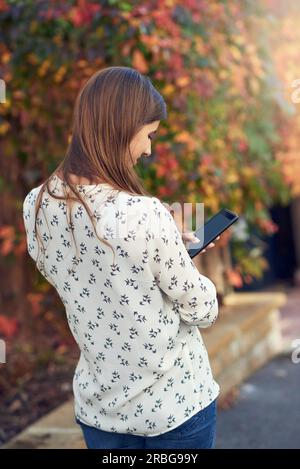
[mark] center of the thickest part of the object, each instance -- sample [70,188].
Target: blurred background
[229,73]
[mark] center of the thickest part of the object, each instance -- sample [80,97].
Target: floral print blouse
[143,366]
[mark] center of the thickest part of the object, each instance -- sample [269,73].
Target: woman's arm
[193,294]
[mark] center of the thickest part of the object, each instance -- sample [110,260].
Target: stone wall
[246,335]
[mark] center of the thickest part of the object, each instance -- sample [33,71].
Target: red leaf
[83,13]
[8,326]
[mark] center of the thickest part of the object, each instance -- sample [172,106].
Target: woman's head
[115,112]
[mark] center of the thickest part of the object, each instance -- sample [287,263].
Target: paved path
[267,411]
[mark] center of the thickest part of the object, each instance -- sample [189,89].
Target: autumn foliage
[210,59]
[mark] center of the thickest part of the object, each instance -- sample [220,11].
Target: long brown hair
[112,106]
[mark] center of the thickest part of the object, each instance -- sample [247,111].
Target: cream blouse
[143,367]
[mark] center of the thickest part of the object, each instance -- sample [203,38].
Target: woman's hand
[189,236]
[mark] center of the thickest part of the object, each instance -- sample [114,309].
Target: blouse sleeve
[193,294]
[28,211]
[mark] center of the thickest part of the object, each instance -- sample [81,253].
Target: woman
[134,299]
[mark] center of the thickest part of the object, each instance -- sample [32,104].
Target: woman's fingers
[211,245]
[189,236]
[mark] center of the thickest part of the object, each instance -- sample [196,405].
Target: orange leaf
[35,301]
[234,278]
[139,62]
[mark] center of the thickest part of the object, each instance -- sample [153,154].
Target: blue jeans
[197,432]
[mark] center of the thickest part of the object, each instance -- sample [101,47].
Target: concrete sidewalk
[57,429]
[267,411]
